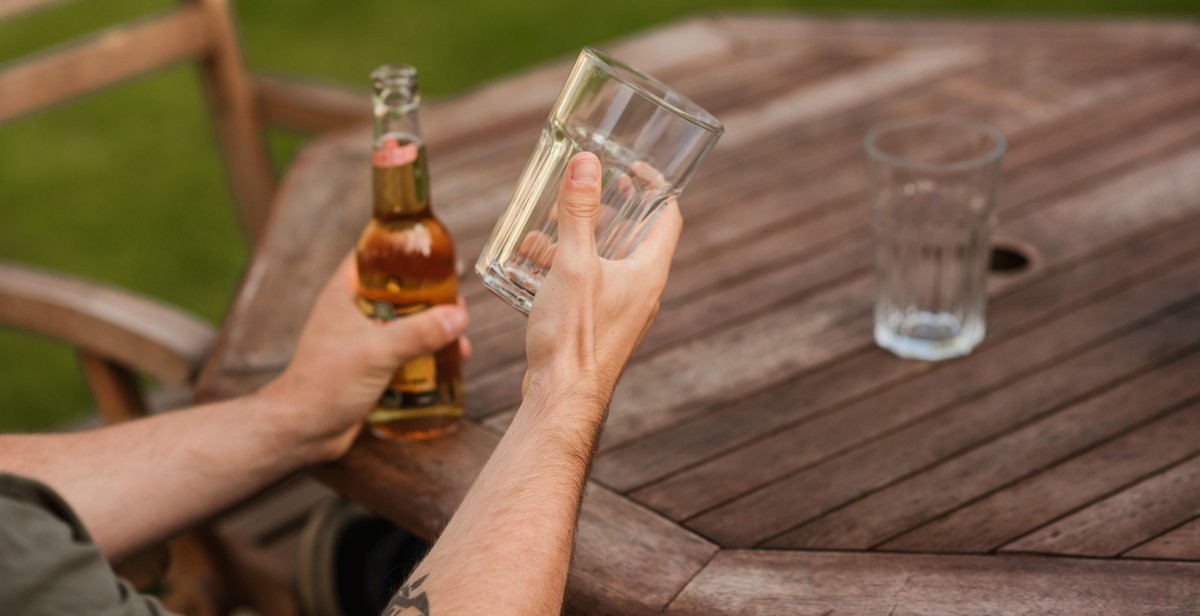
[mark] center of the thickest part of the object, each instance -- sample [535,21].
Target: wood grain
[731,427]
[1004,515]
[820,584]
[1016,37]
[875,518]
[719,479]
[849,258]
[1124,519]
[1180,543]
[739,262]
[983,403]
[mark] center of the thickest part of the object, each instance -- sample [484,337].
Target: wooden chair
[120,335]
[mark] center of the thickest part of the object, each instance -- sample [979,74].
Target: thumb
[578,207]
[424,332]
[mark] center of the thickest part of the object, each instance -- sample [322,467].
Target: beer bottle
[406,264]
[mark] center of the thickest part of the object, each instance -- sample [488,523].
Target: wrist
[556,396]
[283,426]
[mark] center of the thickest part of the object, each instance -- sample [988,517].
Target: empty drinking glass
[932,185]
[649,140]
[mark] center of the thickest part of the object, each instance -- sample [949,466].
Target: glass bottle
[406,264]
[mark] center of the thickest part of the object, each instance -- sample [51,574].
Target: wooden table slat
[1015,36]
[772,582]
[719,479]
[886,513]
[780,506]
[1137,187]
[733,427]
[1122,520]
[1180,543]
[1015,510]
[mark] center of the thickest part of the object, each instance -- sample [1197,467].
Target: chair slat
[307,107]
[137,332]
[107,58]
[8,8]
[236,117]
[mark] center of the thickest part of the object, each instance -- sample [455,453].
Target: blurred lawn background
[125,186]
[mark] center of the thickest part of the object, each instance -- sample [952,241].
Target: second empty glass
[932,186]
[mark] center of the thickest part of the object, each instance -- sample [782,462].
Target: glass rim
[999,143]
[688,111]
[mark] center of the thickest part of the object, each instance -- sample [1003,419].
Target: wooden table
[762,455]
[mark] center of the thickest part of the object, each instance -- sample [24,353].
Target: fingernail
[454,320]
[586,170]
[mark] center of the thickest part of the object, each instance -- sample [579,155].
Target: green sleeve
[49,564]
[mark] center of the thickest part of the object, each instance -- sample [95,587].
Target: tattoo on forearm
[406,603]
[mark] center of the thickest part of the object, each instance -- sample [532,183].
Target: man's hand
[344,360]
[590,313]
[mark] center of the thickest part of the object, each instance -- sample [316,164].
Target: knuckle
[582,204]
[429,332]
[416,334]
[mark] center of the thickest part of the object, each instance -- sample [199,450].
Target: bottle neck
[399,172]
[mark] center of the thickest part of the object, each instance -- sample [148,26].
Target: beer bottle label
[392,154]
[415,382]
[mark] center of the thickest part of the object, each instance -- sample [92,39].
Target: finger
[345,277]
[625,186]
[424,332]
[579,206]
[658,246]
[341,290]
[465,348]
[537,248]
[647,173]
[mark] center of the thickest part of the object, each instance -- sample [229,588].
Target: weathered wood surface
[1182,543]
[758,412]
[111,56]
[140,333]
[820,584]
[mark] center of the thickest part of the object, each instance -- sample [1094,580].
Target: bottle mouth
[395,85]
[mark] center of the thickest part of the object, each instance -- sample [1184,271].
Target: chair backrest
[198,30]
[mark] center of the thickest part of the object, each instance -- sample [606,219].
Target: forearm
[507,550]
[138,482]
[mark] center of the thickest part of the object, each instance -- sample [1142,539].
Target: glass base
[415,436]
[932,337]
[507,286]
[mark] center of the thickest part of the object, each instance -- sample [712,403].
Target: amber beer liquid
[406,264]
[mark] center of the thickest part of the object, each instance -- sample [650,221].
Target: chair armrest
[143,334]
[309,107]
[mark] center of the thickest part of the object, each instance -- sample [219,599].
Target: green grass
[125,185]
